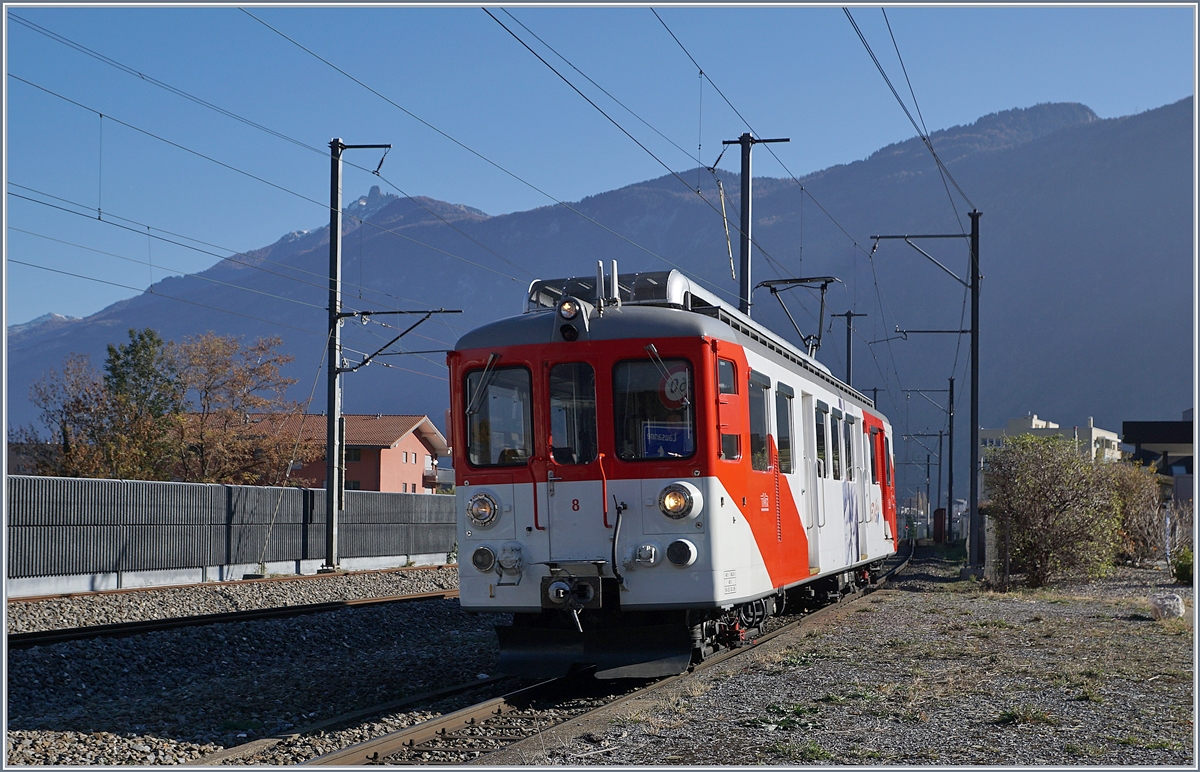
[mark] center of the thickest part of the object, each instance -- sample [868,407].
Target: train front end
[599,499]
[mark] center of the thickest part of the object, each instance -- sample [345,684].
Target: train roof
[650,302]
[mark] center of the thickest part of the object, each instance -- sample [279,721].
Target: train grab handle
[533,479]
[603,487]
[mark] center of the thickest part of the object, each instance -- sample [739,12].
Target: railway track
[470,734]
[232,582]
[44,637]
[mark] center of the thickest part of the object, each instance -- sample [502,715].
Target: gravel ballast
[221,597]
[175,696]
[932,670]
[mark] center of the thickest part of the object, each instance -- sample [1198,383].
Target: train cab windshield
[653,409]
[499,417]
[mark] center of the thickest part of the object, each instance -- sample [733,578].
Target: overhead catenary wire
[462,145]
[162,295]
[804,190]
[110,223]
[197,153]
[924,137]
[634,139]
[253,124]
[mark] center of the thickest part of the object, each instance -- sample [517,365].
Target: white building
[1091,441]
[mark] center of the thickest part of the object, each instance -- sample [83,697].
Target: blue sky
[798,72]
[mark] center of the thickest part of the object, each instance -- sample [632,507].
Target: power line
[166,267]
[230,114]
[187,246]
[924,137]
[161,295]
[602,89]
[803,189]
[469,149]
[215,246]
[259,179]
[624,131]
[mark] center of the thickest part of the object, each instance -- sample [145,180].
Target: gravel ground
[172,697]
[220,597]
[933,670]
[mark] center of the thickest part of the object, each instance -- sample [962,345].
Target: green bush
[1054,507]
[1181,566]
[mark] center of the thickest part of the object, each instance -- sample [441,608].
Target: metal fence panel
[62,526]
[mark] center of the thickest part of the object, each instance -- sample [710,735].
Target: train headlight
[484,559]
[680,500]
[568,309]
[482,509]
[682,553]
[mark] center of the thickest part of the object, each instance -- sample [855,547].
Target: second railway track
[45,637]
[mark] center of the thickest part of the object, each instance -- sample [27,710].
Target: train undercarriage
[648,644]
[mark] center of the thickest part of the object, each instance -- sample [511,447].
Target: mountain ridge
[1050,262]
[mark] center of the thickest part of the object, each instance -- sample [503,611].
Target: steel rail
[121,629]
[464,725]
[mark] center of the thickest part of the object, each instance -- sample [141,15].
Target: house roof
[368,431]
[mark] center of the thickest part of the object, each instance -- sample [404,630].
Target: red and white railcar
[644,474]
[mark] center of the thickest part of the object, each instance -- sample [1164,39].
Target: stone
[1166,605]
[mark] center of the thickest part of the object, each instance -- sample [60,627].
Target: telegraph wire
[924,137]
[324,206]
[230,114]
[803,189]
[182,273]
[635,140]
[474,152]
[161,295]
[185,246]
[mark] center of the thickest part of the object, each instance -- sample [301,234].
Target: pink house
[396,453]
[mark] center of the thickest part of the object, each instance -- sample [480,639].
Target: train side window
[849,429]
[759,456]
[821,466]
[874,457]
[887,460]
[573,413]
[834,449]
[726,377]
[783,426]
[499,416]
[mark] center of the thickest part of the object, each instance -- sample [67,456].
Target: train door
[811,492]
[764,473]
[573,496]
[854,471]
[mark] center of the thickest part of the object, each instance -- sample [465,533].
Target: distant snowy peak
[50,319]
[369,204]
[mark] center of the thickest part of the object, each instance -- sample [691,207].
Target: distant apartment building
[1091,441]
[1168,447]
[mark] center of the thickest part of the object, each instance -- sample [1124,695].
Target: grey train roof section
[660,304]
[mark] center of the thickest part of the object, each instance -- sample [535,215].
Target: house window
[354,485]
[354,454]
